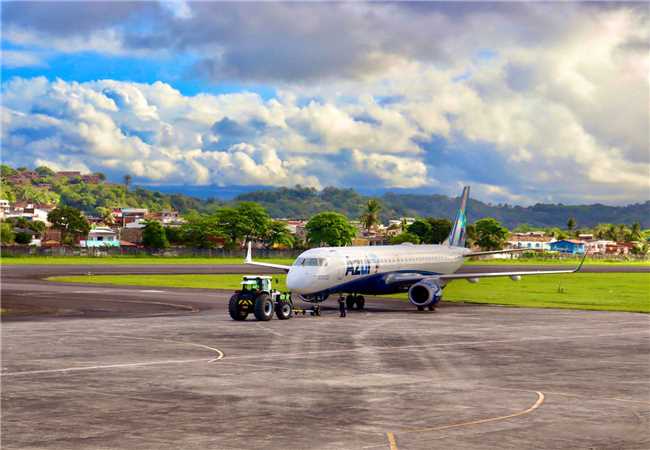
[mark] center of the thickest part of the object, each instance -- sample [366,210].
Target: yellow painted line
[537,404]
[391,441]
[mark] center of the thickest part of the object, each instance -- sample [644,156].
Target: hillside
[89,193]
[92,193]
[302,202]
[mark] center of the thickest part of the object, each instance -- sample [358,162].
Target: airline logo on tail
[457,236]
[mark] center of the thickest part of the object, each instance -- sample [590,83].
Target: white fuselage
[362,269]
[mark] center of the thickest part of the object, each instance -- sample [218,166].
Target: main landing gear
[355,302]
[430,308]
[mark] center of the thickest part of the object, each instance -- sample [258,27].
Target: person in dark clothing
[342,306]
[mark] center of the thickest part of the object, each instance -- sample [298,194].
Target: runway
[143,368]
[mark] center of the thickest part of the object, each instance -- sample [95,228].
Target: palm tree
[370,217]
[127,181]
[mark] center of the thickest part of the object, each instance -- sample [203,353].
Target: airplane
[421,270]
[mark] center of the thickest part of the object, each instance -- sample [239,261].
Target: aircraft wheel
[361,302]
[349,302]
[420,308]
[235,311]
[431,308]
[284,311]
[263,309]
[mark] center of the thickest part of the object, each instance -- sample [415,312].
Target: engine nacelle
[426,292]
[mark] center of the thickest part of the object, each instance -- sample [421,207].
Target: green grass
[555,262]
[593,291]
[116,260]
[67,260]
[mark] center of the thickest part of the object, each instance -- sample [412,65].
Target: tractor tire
[235,311]
[361,302]
[349,302]
[284,310]
[263,308]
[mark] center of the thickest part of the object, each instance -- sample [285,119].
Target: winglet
[582,261]
[249,255]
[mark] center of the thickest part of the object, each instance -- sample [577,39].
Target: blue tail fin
[457,236]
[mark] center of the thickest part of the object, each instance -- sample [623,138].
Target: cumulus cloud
[538,103]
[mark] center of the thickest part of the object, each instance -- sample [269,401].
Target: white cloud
[561,117]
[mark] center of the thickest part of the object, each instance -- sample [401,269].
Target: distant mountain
[302,202]
[223,193]
[91,193]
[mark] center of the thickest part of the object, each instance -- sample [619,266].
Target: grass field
[606,291]
[127,260]
[83,260]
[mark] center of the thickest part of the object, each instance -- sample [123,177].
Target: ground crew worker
[342,306]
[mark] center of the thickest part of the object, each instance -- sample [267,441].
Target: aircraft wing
[494,252]
[249,260]
[513,275]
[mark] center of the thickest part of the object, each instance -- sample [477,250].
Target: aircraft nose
[296,282]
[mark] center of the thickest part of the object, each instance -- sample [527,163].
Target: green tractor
[257,296]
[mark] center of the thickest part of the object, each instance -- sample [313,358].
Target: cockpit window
[310,262]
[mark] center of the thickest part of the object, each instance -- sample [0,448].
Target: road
[98,367]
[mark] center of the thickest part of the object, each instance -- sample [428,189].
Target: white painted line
[106,366]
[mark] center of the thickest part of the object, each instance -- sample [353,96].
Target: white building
[101,237]
[599,246]
[533,240]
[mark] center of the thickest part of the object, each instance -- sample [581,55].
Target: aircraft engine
[426,292]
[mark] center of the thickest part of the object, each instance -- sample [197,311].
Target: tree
[106,214]
[370,217]
[440,229]
[254,219]
[70,221]
[174,235]
[7,235]
[329,228]
[405,237]
[490,235]
[23,238]
[44,171]
[421,228]
[200,231]
[127,181]
[153,235]
[6,171]
[571,224]
[635,232]
[277,233]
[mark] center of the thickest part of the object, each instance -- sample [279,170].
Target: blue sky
[525,102]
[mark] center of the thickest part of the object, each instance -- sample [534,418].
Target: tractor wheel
[361,302]
[263,307]
[349,302]
[234,309]
[284,310]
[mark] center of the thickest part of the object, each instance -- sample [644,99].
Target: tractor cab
[256,284]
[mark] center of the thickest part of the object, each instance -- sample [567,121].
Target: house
[124,216]
[30,212]
[167,217]
[133,235]
[619,248]
[533,240]
[100,237]
[598,247]
[568,246]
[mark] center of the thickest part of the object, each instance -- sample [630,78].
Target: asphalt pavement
[107,367]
